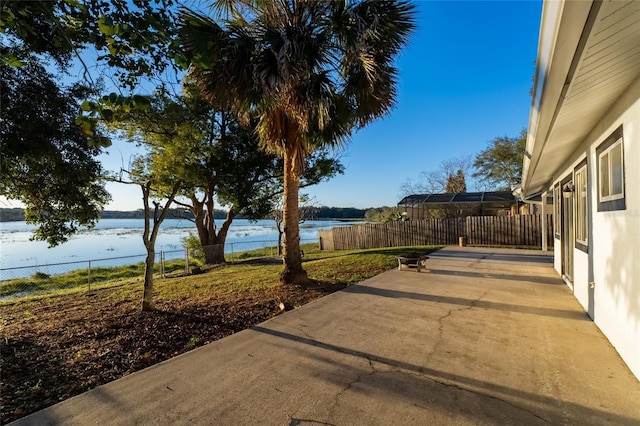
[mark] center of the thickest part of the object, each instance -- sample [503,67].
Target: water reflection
[123,237]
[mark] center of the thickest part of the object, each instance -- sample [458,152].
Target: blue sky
[464,80]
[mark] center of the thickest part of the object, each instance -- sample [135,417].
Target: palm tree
[311,71]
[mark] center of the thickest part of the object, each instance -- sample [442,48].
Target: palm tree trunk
[293,272]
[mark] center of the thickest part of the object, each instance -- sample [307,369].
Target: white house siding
[556,258]
[614,246]
[581,279]
[580,284]
[616,254]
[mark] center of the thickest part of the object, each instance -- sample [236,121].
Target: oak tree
[499,166]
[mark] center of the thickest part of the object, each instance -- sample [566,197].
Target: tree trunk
[214,254]
[214,249]
[149,236]
[280,234]
[212,239]
[293,272]
[147,295]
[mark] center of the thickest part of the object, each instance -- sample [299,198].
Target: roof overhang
[588,54]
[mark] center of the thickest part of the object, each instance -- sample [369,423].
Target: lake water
[122,238]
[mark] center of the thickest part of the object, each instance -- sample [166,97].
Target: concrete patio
[486,336]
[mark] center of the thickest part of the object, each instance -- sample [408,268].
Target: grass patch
[347,267]
[263,252]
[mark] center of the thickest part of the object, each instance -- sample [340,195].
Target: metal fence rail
[84,275]
[59,268]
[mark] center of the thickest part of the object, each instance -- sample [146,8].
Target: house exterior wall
[581,279]
[613,261]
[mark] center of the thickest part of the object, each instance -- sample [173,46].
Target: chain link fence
[89,275]
[86,275]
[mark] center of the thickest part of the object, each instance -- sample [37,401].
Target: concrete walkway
[487,336]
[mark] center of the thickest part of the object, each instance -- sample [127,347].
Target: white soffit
[610,62]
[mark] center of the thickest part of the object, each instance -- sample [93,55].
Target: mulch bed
[69,344]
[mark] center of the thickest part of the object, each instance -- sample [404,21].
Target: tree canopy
[456,182]
[217,160]
[49,152]
[131,38]
[499,166]
[46,160]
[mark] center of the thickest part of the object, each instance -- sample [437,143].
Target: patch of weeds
[192,343]
[41,276]
[28,315]
[37,387]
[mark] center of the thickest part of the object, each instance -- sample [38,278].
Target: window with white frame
[611,176]
[582,211]
[611,194]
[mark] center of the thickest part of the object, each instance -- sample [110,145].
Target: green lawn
[246,272]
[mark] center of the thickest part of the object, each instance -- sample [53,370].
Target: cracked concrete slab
[487,336]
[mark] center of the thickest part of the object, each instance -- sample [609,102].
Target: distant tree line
[17,214]
[11,215]
[340,213]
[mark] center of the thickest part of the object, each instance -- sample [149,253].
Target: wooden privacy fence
[522,230]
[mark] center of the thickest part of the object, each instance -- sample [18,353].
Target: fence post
[186,261]
[162,263]
[89,276]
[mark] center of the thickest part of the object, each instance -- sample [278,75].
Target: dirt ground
[53,350]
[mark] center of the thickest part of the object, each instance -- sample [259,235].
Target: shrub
[192,243]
